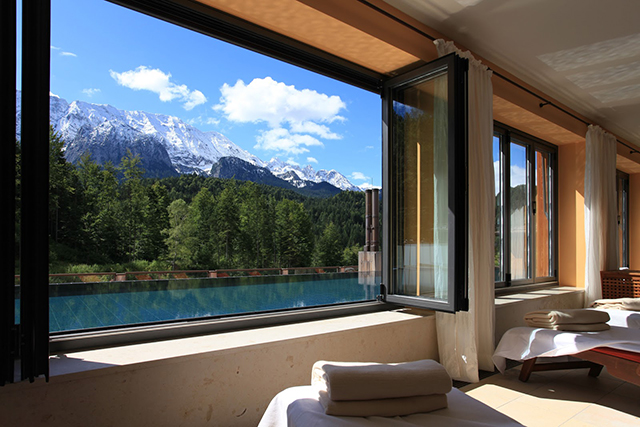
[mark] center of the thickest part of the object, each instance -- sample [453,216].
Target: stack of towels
[376,389]
[577,320]
[632,304]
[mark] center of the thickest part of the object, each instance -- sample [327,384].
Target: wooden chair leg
[595,370]
[527,368]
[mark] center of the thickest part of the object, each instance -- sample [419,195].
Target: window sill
[522,295]
[519,289]
[161,352]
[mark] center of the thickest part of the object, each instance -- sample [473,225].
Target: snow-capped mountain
[299,176]
[166,144]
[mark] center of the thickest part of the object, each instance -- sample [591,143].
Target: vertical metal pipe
[367,221]
[375,221]
[34,248]
[8,41]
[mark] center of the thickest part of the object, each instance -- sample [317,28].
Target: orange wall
[634,221]
[571,243]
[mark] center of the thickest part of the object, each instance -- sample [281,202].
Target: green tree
[157,219]
[228,224]
[135,206]
[178,235]
[294,236]
[350,255]
[63,210]
[202,218]
[256,227]
[328,249]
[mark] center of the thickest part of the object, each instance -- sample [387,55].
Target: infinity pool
[96,305]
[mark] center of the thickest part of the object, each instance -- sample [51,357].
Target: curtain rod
[518,85]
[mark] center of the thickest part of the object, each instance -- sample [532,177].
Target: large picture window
[525,230]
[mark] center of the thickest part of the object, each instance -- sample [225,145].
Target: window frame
[622,208]
[457,285]
[508,135]
[208,21]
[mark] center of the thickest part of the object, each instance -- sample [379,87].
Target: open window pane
[424,185]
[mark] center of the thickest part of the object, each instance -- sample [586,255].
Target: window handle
[534,207]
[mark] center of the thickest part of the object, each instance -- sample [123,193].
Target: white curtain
[466,339]
[440,190]
[600,214]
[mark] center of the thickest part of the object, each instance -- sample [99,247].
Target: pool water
[96,305]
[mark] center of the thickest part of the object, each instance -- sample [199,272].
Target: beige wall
[571,243]
[230,387]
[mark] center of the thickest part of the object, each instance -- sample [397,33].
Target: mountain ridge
[167,145]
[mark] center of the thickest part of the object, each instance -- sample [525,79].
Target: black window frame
[508,135]
[622,199]
[457,300]
[193,16]
[206,20]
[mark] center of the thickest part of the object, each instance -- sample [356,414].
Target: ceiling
[583,53]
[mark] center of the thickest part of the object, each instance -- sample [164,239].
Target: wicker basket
[620,284]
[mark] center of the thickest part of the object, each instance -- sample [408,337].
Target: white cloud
[312,160]
[518,175]
[322,131]
[68,54]
[54,47]
[265,100]
[359,176]
[91,91]
[159,82]
[283,141]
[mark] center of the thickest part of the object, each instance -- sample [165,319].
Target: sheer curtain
[466,339]
[600,215]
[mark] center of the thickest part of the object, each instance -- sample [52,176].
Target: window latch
[534,207]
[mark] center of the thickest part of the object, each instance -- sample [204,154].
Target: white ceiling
[584,53]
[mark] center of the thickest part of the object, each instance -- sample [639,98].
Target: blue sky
[106,54]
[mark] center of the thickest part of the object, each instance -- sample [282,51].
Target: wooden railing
[190,274]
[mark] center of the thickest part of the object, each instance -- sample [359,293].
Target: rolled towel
[632,304]
[552,318]
[382,407]
[366,381]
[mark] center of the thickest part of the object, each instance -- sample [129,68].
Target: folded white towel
[365,381]
[563,317]
[382,407]
[632,304]
[575,327]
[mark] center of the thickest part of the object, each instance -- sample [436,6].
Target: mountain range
[168,146]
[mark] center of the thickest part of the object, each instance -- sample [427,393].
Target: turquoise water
[97,305]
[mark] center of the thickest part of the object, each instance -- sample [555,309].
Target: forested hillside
[108,217]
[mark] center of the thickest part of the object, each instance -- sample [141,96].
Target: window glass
[519,212]
[622,189]
[427,207]
[543,213]
[188,185]
[420,123]
[525,212]
[499,243]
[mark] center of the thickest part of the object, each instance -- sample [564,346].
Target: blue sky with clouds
[106,54]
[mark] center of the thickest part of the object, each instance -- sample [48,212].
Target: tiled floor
[561,398]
